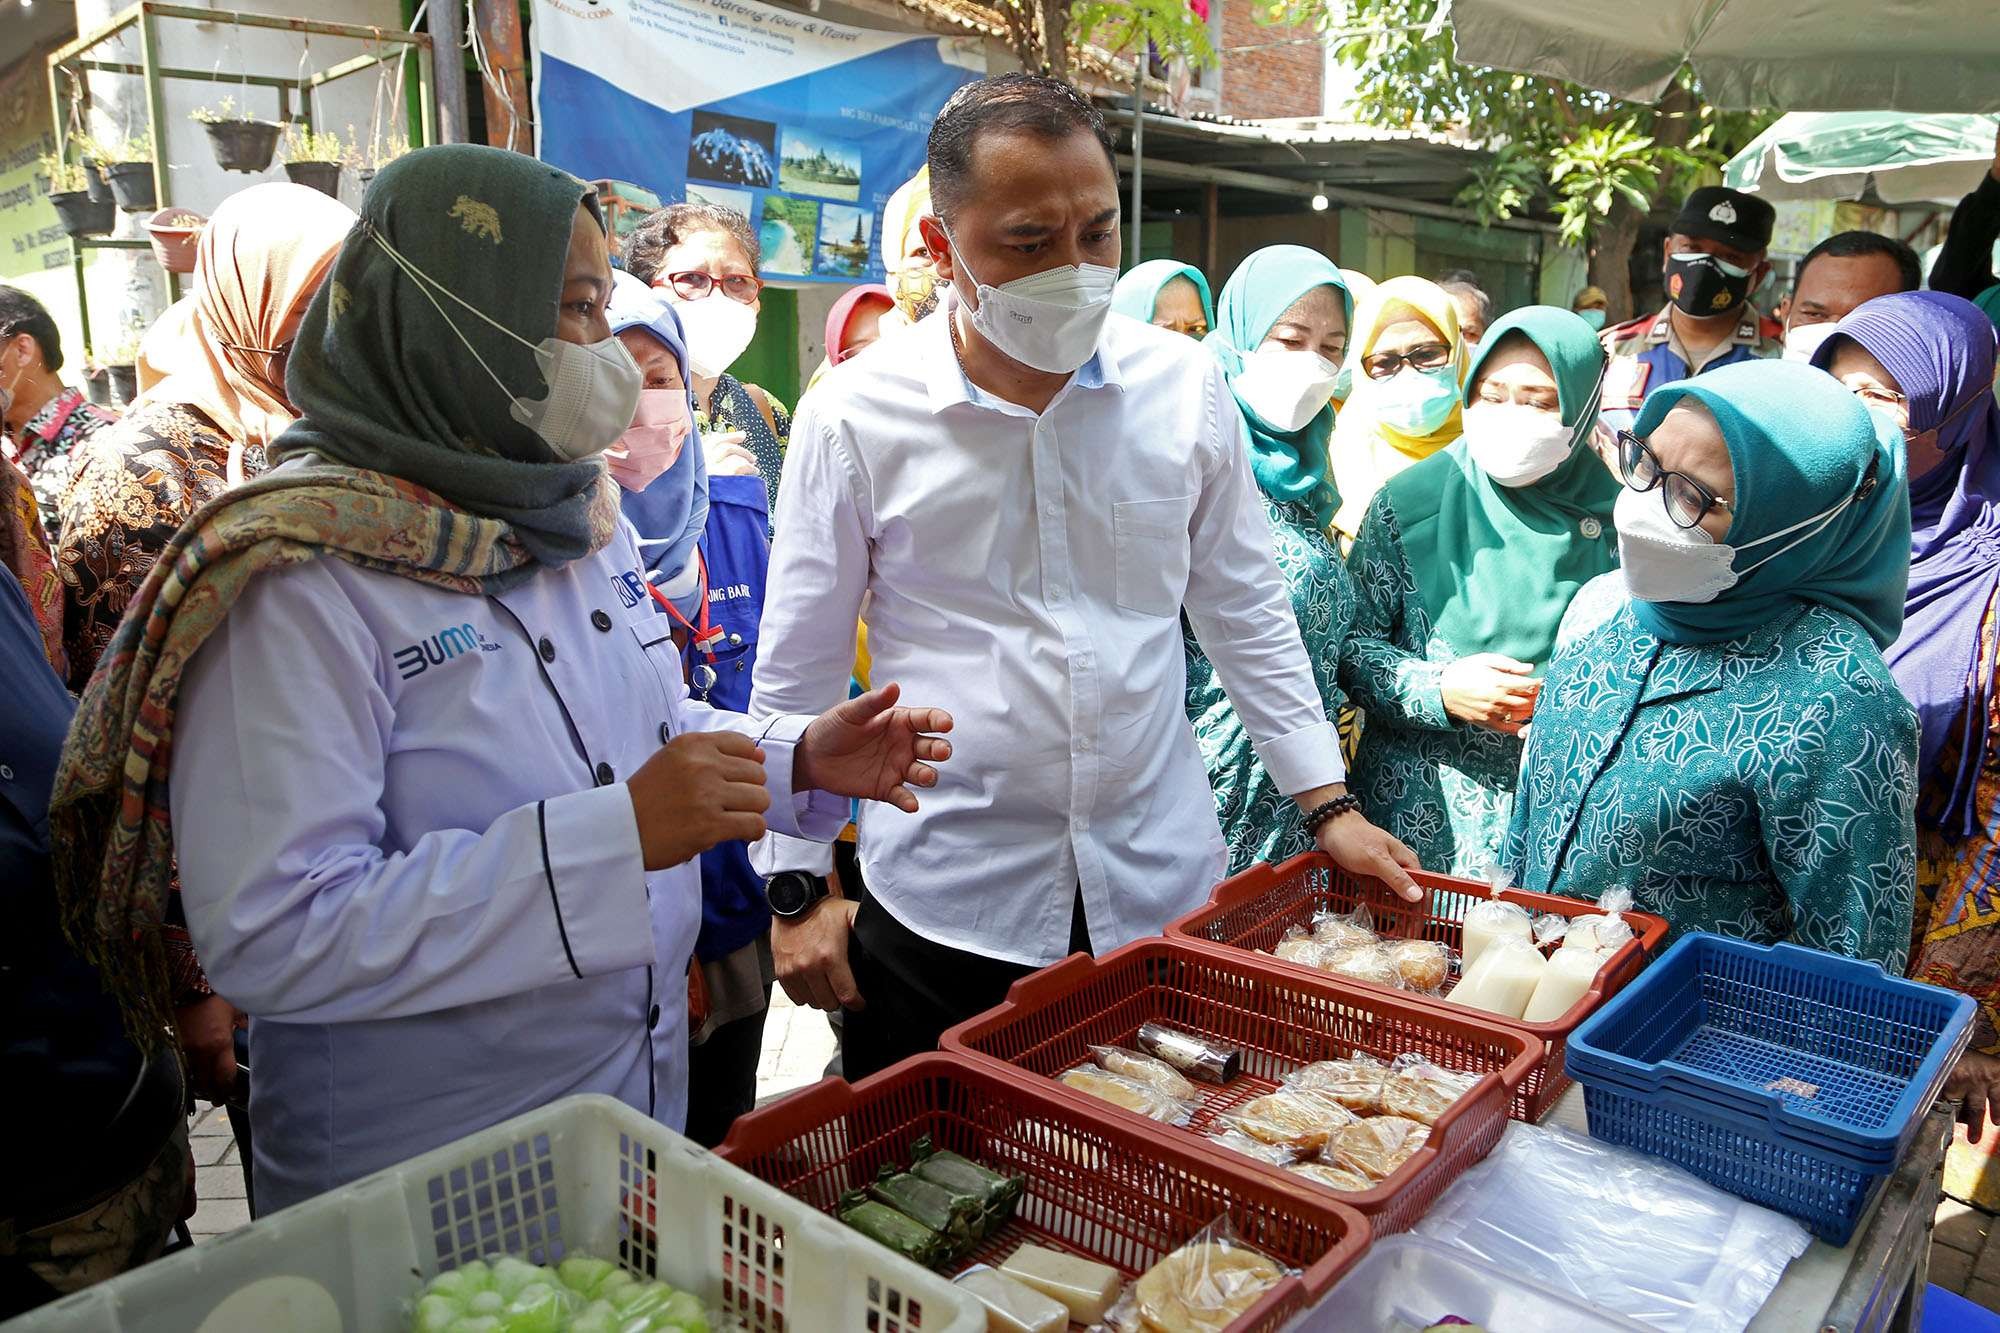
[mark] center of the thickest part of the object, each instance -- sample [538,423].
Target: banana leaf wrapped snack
[997,1193]
[887,1227]
[958,1217]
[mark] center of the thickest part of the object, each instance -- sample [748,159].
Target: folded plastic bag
[1619,1230]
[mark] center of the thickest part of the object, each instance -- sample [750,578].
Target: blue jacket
[736,546]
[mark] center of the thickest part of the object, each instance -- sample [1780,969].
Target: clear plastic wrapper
[1140,1098]
[1504,978]
[1489,922]
[1203,1287]
[1344,1179]
[1297,1118]
[1197,1057]
[1358,1084]
[1376,1147]
[1362,962]
[1618,1230]
[1421,965]
[1569,975]
[1012,1306]
[1300,948]
[1083,1286]
[1236,1141]
[1146,1069]
[1345,930]
[1421,1091]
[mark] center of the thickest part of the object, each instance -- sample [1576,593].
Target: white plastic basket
[1412,1282]
[583,1175]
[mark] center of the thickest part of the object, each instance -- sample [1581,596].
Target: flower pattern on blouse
[1763,788]
[1259,823]
[1445,789]
[48,443]
[135,483]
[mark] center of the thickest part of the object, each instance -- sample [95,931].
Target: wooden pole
[447,20]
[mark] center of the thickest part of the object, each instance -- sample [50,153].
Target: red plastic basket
[1095,1187]
[1281,1020]
[1253,911]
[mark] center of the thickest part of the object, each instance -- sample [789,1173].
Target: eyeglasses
[1880,397]
[1425,356]
[694,285]
[1687,500]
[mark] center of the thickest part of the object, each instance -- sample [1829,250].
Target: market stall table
[1876,1281]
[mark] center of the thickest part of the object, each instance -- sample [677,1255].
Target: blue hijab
[1138,292]
[1801,445]
[1940,350]
[669,514]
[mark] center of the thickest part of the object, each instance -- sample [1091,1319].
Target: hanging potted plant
[240,143]
[70,193]
[124,370]
[378,156]
[313,158]
[175,232]
[90,155]
[130,167]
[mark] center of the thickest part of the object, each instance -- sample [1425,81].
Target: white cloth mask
[1286,388]
[1802,340]
[1665,562]
[717,328]
[1516,444]
[1049,320]
[593,387]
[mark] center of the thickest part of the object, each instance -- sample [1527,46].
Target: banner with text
[802,125]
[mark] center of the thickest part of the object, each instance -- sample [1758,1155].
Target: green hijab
[1289,466]
[1801,445]
[1496,566]
[1989,301]
[1138,292]
[383,382]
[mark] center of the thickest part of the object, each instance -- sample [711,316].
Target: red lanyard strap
[703,634]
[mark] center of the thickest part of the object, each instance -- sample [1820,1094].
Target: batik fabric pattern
[1762,787]
[1444,788]
[1260,823]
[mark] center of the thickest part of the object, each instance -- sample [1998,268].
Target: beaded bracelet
[1332,809]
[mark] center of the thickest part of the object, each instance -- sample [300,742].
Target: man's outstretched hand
[870,748]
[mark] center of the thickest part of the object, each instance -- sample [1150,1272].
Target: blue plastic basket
[1787,1076]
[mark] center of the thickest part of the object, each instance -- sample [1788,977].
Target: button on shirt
[394,854]
[1029,575]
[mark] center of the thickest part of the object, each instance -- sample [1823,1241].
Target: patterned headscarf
[394,404]
[25,552]
[260,259]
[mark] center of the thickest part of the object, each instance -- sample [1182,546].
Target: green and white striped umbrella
[1835,154]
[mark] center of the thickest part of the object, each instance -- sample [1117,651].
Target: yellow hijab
[912,200]
[1366,452]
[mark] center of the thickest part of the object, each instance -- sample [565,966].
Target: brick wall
[1274,80]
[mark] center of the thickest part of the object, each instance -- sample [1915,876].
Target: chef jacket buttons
[1591,528]
[653,1019]
[547,649]
[666,732]
[604,775]
[602,619]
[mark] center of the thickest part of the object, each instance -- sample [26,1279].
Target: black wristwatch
[793,893]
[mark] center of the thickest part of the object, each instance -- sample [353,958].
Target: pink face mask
[653,441]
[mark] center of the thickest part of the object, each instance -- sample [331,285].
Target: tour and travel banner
[804,126]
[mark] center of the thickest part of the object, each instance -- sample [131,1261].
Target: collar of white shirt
[949,386]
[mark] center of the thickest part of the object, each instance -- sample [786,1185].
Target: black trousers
[722,1077]
[916,988]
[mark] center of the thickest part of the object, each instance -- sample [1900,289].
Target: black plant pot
[100,188]
[322,176]
[97,386]
[132,186]
[243,145]
[80,215]
[124,384]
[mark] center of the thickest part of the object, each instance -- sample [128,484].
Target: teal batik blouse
[1444,787]
[1258,821]
[1762,787]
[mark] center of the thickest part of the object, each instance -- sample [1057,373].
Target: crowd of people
[448,687]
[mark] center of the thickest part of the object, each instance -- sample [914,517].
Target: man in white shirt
[1027,495]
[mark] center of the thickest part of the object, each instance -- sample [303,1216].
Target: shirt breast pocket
[1149,540]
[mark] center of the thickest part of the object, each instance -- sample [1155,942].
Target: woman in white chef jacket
[437,789]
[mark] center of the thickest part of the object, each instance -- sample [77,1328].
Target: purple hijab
[1940,348]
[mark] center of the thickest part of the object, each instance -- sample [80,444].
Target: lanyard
[702,634]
